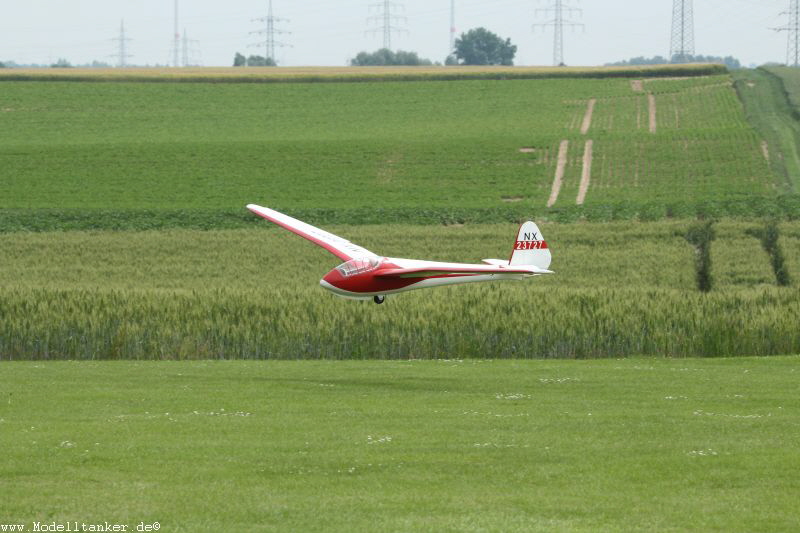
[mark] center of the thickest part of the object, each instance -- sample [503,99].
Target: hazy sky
[332,32]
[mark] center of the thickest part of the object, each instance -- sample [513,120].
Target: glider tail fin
[530,248]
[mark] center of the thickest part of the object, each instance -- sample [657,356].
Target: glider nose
[325,285]
[331,280]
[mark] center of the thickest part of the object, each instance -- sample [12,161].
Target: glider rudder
[530,248]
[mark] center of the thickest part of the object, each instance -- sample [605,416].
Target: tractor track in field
[651,102]
[587,118]
[559,177]
[586,175]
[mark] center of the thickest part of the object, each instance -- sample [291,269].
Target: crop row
[785,207]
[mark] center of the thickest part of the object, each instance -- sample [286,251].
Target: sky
[330,33]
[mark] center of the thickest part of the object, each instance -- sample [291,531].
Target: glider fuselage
[380,276]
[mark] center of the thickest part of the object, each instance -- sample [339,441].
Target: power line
[793,27]
[385,20]
[122,51]
[270,30]
[681,46]
[558,22]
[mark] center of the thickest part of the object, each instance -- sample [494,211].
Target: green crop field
[147,155]
[151,156]
[619,445]
[619,289]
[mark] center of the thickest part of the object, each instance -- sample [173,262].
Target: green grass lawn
[615,445]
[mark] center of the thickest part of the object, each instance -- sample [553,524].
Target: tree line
[478,46]
[729,61]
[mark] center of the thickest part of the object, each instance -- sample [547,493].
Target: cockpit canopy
[358,266]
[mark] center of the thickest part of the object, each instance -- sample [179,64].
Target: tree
[700,236]
[479,46]
[61,63]
[260,61]
[239,60]
[384,57]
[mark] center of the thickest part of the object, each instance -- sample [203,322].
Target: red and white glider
[365,275]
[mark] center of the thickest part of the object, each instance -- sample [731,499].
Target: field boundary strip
[348,74]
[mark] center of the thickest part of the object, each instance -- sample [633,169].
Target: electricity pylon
[681,47]
[558,22]
[793,28]
[122,54]
[385,20]
[270,31]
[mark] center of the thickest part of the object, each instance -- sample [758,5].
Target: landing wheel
[378,299]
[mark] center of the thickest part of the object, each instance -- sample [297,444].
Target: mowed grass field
[620,289]
[400,150]
[449,445]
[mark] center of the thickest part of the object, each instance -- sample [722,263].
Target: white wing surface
[341,248]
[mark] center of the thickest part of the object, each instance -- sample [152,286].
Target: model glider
[365,275]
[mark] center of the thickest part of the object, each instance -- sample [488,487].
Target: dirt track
[559,178]
[587,172]
[587,118]
[651,100]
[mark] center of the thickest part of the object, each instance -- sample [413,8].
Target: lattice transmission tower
[452,27]
[190,55]
[122,54]
[558,22]
[385,21]
[793,28]
[176,40]
[681,47]
[270,30]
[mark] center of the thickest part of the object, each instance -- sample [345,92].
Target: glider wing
[341,248]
